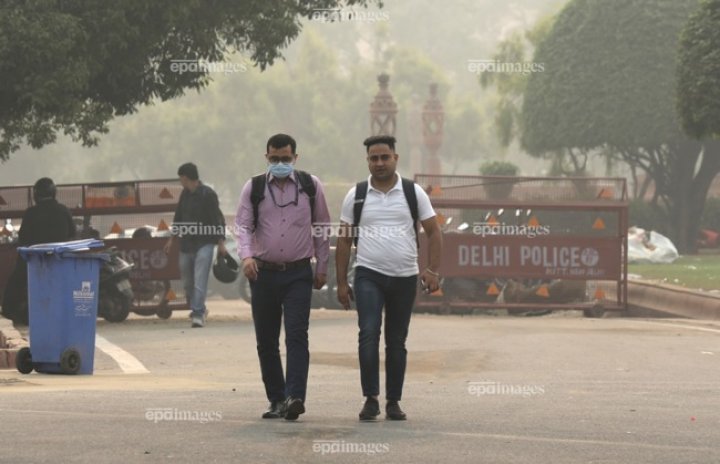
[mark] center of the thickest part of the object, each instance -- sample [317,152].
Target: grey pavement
[553,389]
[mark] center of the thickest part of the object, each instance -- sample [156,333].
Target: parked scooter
[8,233]
[116,294]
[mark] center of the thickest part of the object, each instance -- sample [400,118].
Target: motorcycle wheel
[164,311]
[595,312]
[117,308]
[145,311]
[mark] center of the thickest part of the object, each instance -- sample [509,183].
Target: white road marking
[127,362]
[683,326]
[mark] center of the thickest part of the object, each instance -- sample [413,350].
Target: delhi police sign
[542,257]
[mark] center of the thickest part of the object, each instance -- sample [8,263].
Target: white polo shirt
[387,238]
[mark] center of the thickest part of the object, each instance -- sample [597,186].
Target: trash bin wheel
[70,361]
[23,361]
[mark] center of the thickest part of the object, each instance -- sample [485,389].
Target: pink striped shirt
[283,234]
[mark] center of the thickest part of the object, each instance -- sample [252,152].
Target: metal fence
[529,243]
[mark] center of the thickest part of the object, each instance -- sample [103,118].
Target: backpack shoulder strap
[257,194]
[306,182]
[361,189]
[215,217]
[308,186]
[411,198]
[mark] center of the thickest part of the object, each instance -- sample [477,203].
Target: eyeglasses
[375,158]
[280,159]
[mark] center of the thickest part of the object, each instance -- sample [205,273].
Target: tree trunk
[687,192]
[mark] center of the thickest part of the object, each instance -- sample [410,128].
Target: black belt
[281,266]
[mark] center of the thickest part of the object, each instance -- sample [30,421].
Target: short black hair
[388,140]
[189,170]
[281,141]
[44,188]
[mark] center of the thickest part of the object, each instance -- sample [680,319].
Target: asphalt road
[553,389]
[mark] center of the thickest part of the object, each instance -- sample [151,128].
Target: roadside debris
[649,246]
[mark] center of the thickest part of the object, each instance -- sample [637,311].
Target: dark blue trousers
[278,295]
[373,291]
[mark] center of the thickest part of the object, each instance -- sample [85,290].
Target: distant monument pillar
[433,120]
[383,109]
[414,135]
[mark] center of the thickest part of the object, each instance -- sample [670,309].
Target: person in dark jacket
[200,225]
[46,221]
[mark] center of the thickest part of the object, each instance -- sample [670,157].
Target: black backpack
[361,189]
[257,194]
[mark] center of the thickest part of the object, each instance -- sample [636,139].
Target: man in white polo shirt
[380,213]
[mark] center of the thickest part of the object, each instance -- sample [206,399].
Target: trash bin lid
[59,248]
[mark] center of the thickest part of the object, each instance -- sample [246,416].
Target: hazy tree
[699,72]
[510,86]
[320,94]
[71,66]
[609,84]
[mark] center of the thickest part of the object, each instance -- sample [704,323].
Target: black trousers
[278,295]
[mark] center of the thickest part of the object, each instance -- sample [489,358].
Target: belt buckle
[282,267]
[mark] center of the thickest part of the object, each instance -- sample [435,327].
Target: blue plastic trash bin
[63,291]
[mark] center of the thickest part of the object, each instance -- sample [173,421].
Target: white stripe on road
[127,362]
[684,326]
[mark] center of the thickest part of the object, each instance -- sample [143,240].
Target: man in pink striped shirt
[274,231]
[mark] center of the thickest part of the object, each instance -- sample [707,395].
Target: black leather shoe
[370,410]
[275,411]
[393,411]
[293,408]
